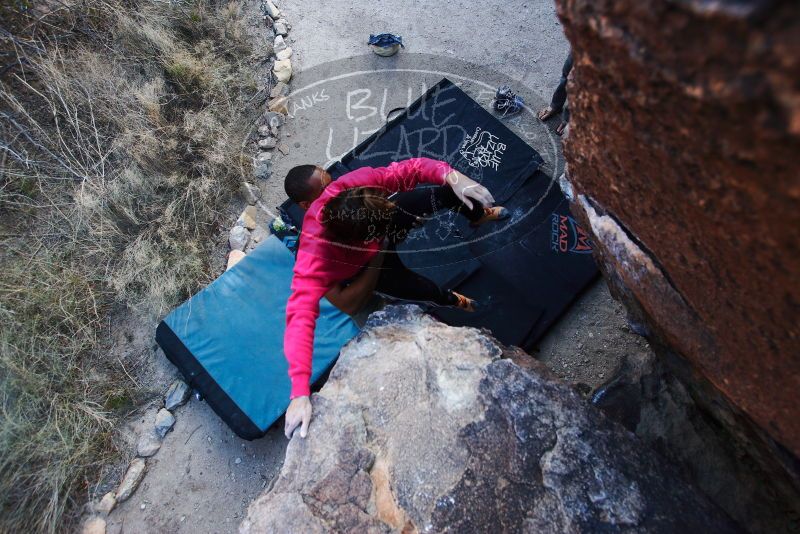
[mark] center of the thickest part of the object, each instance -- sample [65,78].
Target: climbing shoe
[463,303]
[507,101]
[496,213]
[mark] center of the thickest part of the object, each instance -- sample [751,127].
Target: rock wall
[424,427]
[683,161]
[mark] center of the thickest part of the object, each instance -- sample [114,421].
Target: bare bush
[118,144]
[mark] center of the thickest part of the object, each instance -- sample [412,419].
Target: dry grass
[119,146]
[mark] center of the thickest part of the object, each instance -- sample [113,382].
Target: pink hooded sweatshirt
[321,264]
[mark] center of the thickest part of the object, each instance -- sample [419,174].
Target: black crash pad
[525,271]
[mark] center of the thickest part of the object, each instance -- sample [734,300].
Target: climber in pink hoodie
[349,230]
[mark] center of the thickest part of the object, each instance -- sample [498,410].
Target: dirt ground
[590,342]
[204,477]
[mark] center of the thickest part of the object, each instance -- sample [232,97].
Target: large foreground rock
[423,427]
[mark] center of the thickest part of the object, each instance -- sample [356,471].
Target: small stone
[133,476]
[234,257]
[237,461]
[149,443]
[238,237]
[247,218]
[94,525]
[274,130]
[264,131]
[272,9]
[263,171]
[284,149]
[275,119]
[279,105]
[164,422]
[250,192]
[259,234]
[280,89]
[177,395]
[284,54]
[267,143]
[263,157]
[183,518]
[280,28]
[142,506]
[282,70]
[279,44]
[106,504]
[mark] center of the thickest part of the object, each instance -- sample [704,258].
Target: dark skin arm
[352,298]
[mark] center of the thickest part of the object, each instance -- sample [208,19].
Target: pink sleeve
[308,285]
[302,311]
[398,176]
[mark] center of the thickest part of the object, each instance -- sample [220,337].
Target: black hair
[298,182]
[358,215]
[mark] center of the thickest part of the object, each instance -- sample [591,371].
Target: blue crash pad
[227,340]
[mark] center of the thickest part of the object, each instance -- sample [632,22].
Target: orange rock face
[684,155]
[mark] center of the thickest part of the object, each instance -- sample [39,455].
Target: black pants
[559,100]
[396,280]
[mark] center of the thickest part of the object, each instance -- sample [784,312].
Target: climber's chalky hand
[298,414]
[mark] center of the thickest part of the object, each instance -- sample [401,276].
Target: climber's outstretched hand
[468,190]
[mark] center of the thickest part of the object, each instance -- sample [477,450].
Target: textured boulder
[682,155]
[424,427]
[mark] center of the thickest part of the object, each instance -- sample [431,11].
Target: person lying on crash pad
[350,228]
